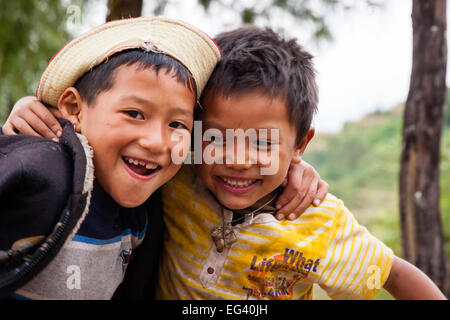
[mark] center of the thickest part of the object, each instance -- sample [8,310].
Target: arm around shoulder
[407,282]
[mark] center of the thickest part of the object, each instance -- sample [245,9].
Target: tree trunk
[420,216]
[118,9]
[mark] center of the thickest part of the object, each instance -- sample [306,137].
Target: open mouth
[237,185]
[141,168]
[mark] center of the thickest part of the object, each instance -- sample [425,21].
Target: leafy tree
[31,31]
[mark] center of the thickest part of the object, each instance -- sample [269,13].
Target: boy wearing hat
[233,247]
[108,132]
[223,241]
[124,87]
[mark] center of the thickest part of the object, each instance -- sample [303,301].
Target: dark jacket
[142,272]
[45,189]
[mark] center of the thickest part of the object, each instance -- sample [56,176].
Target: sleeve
[35,183]
[357,264]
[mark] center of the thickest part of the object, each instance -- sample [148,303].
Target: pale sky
[365,68]
[368,65]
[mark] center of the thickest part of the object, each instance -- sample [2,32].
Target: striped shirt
[271,259]
[92,264]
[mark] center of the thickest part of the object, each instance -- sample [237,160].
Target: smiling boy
[125,87]
[127,126]
[239,184]
[224,241]
[129,108]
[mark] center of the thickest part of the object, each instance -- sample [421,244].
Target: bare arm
[407,282]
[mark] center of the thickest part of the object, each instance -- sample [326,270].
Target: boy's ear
[70,104]
[302,146]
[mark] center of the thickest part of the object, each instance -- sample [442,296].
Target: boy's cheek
[180,143]
[269,162]
[203,171]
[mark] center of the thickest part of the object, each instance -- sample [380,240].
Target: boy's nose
[238,166]
[154,140]
[243,161]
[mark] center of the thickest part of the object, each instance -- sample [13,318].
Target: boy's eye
[216,139]
[263,144]
[178,125]
[213,136]
[134,114]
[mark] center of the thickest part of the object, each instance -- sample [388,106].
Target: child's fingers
[298,197]
[39,126]
[291,195]
[306,201]
[285,197]
[56,113]
[47,120]
[320,187]
[290,207]
[8,129]
[40,120]
[292,184]
[23,127]
[322,192]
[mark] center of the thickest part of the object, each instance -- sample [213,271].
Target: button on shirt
[270,259]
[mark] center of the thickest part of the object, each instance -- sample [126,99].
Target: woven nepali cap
[175,38]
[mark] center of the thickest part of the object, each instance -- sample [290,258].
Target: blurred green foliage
[314,12]
[31,32]
[361,164]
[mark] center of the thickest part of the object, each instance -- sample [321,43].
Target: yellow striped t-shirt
[271,259]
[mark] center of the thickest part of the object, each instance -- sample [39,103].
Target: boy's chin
[130,202]
[235,204]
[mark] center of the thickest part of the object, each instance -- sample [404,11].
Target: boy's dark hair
[101,77]
[255,59]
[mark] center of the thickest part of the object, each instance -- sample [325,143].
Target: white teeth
[149,166]
[240,183]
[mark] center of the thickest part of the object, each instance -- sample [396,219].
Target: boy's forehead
[256,110]
[132,84]
[259,102]
[246,110]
